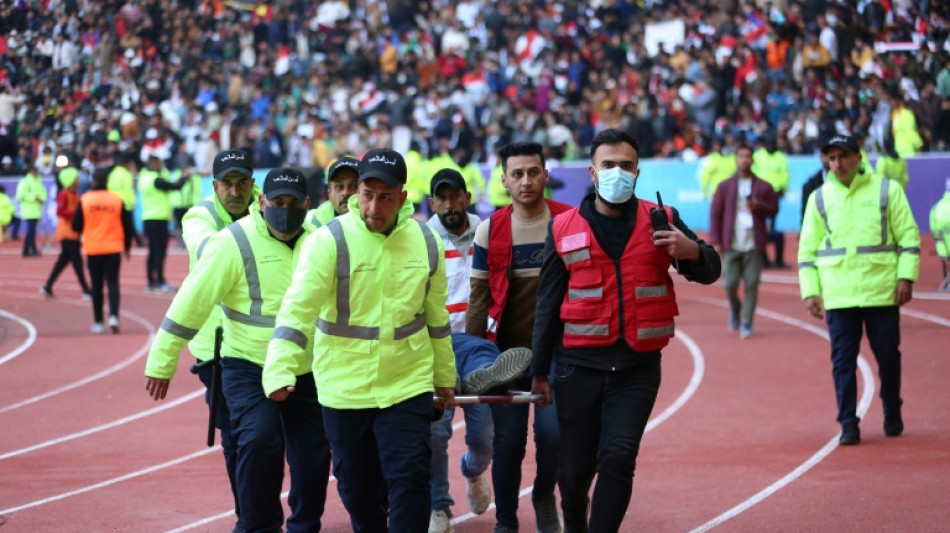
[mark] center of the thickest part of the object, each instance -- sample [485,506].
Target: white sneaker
[97,328]
[439,522]
[114,323]
[477,493]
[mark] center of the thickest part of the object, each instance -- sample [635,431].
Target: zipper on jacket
[620,329]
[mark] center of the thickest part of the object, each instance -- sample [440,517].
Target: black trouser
[222,421]
[69,253]
[179,213]
[14,227]
[29,242]
[104,268]
[603,415]
[156,231]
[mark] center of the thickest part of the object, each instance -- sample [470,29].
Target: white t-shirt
[743,240]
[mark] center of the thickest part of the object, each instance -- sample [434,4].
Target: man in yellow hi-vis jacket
[246,270]
[234,193]
[374,282]
[341,184]
[858,258]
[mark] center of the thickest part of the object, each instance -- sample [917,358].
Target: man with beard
[605,309]
[478,361]
[341,184]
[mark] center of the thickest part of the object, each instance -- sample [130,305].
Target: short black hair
[744,146]
[613,136]
[100,178]
[520,148]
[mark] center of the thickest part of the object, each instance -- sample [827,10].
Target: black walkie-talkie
[658,217]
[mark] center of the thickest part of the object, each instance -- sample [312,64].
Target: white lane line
[98,375]
[103,427]
[699,369]
[869,386]
[113,481]
[925,316]
[30,337]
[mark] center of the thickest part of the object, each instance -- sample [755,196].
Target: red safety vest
[599,307]
[499,261]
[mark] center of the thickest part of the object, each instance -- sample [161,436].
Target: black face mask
[285,219]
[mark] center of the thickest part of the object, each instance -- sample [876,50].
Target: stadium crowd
[303,82]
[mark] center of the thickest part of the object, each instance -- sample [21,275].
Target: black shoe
[893,424]
[47,292]
[850,434]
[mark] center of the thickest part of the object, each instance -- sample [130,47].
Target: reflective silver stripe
[178,330]
[574,294]
[209,205]
[806,264]
[431,247]
[652,292]
[342,273]
[250,268]
[577,255]
[314,221]
[440,332]
[915,250]
[411,328]
[261,321]
[290,334]
[201,246]
[877,248]
[652,333]
[344,330]
[587,329]
[885,183]
[820,204]
[827,252]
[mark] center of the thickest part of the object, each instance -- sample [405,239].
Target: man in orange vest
[504,282]
[67,202]
[605,309]
[107,230]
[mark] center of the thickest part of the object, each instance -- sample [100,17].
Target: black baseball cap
[447,176]
[285,180]
[844,142]
[345,162]
[230,161]
[385,165]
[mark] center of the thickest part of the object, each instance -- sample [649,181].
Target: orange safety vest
[102,223]
[499,261]
[632,298]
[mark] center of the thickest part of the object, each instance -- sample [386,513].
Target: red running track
[743,437]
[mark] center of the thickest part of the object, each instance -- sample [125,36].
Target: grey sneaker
[545,511]
[509,366]
[47,292]
[746,332]
[500,528]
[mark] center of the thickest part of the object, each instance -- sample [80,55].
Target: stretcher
[513,397]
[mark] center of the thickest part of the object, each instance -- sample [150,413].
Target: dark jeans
[104,269]
[222,421]
[15,227]
[511,440]
[375,448]
[884,335]
[261,427]
[29,241]
[603,416]
[156,231]
[69,253]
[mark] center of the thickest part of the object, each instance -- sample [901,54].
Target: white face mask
[616,185]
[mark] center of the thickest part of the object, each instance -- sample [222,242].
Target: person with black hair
[605,309]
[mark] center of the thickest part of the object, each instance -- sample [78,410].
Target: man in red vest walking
[505,268]
[605,309]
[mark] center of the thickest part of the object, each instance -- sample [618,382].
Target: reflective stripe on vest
[253,279]
[342,327]
[292,335]
[218,224]
[178,330]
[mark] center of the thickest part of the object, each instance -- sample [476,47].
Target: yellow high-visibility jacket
[892,168]
[497,193]
[199,224]
[248,277]
[772,167]
[716,169]
[940,226]
[856,242]
[383,333]
[122,183]
[322,214]
[31,194]
[156,203]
